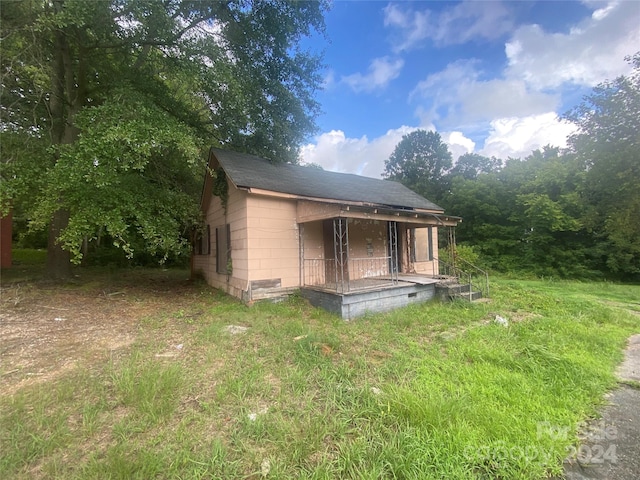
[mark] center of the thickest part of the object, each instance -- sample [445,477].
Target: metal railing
[355,274]
[470,274]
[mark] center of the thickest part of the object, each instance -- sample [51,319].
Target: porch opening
[344,254]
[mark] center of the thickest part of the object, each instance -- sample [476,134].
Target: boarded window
[223,249]
[202,243]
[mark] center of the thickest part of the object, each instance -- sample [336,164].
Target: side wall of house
[273,243]
[236,217]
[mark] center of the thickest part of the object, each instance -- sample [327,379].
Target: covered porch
[355,259]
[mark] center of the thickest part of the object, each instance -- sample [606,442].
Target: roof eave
[272,193]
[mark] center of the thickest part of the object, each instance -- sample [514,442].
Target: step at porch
[452,290]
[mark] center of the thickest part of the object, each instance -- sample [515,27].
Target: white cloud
[336,152]
[509,113]
[503,97]
[517,137]
[459,97]
[601,13]
[458,143]
[413,26]
[591,52]
[471,19]
[516,105]
[458,24]
[381,72]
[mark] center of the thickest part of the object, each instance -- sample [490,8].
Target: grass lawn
[429,391]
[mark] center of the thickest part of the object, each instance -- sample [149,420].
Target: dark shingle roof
[254,172]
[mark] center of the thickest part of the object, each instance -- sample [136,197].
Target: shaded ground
[611,450]
[46,331]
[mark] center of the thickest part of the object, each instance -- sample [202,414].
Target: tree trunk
[63,105]
[58,260]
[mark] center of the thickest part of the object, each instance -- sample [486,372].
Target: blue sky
[492,77]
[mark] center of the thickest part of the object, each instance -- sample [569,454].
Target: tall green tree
[470,165]
[123,96]
[608,145]
[573,213]
[486,205]
[420,161]
[549,210]
[527,216]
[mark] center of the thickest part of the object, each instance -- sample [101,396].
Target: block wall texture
[236,217]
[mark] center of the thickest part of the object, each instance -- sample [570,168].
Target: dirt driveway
[46,331]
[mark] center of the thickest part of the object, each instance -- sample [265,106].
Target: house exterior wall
[236,217]
[310,211]
[312,240]
[367,244]
[314,270]
[272,241]
[265,245]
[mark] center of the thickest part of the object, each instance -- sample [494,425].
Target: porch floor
[420,279]
[374,283]
[373,294]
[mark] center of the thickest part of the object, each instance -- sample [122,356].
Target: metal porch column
[393,250]
[341,250]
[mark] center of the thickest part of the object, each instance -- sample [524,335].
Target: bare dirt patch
[48,330]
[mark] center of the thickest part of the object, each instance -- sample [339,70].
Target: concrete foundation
[355,304]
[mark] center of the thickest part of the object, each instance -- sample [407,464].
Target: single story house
[351,244]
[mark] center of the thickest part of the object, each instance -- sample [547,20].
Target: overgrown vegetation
[566,213]
[109,106]
[429,391]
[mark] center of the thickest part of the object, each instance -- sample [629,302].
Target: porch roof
[313,211]
[251,172]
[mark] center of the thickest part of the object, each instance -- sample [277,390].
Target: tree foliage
[420,161]
[527,216]
[107,107]
[129,173]
[470,165]
[571,213]
[608,145]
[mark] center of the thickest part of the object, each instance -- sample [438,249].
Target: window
[223,250]
[202,241]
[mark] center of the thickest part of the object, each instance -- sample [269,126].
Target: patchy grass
[28,256]
[429,391]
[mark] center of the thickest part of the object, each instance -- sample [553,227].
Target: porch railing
[355,274]
[466,272]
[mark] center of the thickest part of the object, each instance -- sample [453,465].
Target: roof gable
[249,171]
